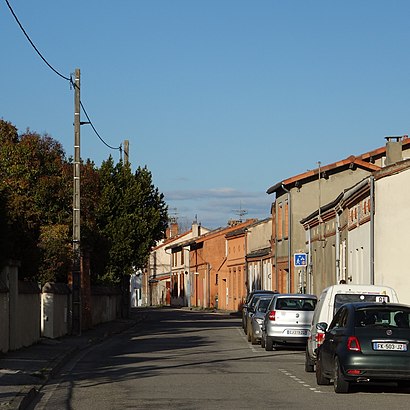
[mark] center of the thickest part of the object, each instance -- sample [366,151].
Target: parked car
[329,302]
[255,329]
[365,342]
[287,320]
[250,303]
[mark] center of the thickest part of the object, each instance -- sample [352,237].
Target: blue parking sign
[300,260]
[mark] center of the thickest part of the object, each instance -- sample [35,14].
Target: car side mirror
[321,326]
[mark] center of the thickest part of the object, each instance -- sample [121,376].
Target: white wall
[358,251]
[392,233]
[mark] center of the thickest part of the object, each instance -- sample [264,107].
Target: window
[340,319]
[280,222]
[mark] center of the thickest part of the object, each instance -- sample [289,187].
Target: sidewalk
[25,371]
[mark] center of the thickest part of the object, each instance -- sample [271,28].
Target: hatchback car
[255,328]
[330,301]
[365,342]
[287,320]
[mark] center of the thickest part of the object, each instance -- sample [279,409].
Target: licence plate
[296,332]
[400,347]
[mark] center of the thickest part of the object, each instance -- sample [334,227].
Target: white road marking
[302,382]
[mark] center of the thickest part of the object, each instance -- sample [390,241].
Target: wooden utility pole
[76,272]
[126,152]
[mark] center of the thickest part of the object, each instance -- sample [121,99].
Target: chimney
[393,150]
[172,230]
[196,229]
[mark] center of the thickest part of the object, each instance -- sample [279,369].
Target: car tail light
[320,336]
[353,344]
[354,372]
[272,315]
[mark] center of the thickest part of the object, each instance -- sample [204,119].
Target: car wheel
[321,380]
[268,343]
[262,342]
[309,363]
[340,383]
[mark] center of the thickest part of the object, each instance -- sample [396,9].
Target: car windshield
[382,316]
[295,304]
[342,298]
[263,305]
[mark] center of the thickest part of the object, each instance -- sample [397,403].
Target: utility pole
[76,272]
[126,152]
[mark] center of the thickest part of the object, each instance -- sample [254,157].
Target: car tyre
[268,344]
[262,342]
[321,380]
[309,363]
[340,383]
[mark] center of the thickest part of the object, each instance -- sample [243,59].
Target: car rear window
[370,317]
[295,304]
[342,298]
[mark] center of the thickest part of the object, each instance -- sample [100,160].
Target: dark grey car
[255,329]
[249,304]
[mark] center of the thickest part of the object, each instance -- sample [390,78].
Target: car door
[334,336]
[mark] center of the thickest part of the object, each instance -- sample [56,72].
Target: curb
[28,394]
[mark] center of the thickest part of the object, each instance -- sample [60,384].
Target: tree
[34,192]
[132,216]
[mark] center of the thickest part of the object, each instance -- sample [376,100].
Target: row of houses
[347,220]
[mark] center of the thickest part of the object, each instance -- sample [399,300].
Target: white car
[287,320]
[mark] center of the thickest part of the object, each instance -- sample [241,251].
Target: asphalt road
[180,359]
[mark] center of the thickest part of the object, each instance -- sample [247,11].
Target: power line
[60,75]
[32,44]
[98,135]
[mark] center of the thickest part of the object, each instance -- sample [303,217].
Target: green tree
[132,216]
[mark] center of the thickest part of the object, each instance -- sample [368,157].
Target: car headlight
[259,321]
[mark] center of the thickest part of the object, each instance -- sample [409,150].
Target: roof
[348,162]
[259,252]
[212,234]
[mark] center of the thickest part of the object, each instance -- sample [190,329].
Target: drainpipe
[289,237]
[372,201]
[170,277]
[337,247]
[188,274]
[309,266]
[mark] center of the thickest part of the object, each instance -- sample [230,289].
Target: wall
[105,304]
[4,319]
[55,300]
[304,200]
[392,228]
[28,316]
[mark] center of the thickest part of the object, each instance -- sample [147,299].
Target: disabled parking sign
[300,260]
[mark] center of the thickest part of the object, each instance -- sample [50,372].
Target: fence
[28,313]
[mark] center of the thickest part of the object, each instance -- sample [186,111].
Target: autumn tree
[34,192]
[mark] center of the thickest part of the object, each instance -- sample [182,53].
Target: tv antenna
[240,212]
[173,215]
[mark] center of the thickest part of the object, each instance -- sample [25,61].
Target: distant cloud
[215,207]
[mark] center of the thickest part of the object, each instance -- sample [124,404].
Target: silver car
[287,320]
[255,329]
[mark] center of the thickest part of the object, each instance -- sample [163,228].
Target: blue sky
[220,99]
